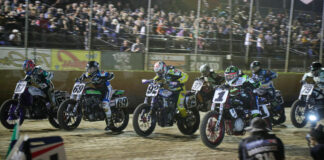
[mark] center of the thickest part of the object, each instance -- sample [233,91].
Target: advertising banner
[72,60]
[215,62]
[13,58]
[179,61]
[122,60]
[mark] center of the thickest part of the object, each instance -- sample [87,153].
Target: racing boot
[106,108]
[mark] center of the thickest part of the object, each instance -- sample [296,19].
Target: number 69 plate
[220,96]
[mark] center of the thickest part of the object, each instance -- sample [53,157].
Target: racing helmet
[160,68]
[231,74]
[92,68]
[315,68]
[255,66]
[28,66]
[204,69]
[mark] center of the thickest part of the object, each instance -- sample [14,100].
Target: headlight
[312,117]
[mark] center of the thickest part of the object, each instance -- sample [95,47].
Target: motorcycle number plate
[152,90]
[220,96]
[197,85]
[121,102]
[78,88]
[233,113]
[20,87]
[307,89]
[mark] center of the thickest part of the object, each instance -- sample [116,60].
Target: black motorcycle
[162,109]
[274,104]
[29,102]
[85,102]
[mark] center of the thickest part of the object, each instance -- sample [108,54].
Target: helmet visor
[230,76]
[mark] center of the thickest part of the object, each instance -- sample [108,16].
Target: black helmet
[255,66]
[315,66]
[92,68]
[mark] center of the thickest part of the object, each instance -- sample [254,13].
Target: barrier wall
[130,81]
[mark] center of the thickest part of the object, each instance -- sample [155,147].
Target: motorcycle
[85,102]
[199,96]
[274,105]
[162,110]
[227,114]
[29,102]
[308,107]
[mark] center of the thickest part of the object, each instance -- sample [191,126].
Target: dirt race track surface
[89,141]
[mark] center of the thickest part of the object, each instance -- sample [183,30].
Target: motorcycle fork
[221,109]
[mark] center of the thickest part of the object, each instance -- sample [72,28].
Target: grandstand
[117,24]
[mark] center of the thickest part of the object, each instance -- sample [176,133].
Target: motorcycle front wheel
[297,114]
[190,124]
[8,109]
[143,122]
[211,136]
[67,118]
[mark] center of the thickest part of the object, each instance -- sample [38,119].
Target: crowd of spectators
[117,24]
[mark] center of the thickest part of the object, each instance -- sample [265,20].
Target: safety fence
[76,60]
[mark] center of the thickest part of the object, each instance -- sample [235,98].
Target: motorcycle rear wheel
[119,120]
[186,125]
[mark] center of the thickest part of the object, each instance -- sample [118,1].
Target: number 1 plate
[220,96]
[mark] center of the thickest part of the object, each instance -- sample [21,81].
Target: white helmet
[160,68]
[204,69]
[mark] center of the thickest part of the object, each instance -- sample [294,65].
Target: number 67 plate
[220,96]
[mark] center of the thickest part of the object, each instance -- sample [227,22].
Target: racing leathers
[175,79]
[42,79]
[242,89]
[261,145]
[101,81]
[265,77]
[212,80]
[319,80]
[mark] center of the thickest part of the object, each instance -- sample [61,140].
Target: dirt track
[90,142]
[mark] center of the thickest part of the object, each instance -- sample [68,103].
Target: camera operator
[316,142]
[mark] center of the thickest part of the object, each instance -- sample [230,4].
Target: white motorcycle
[308,107]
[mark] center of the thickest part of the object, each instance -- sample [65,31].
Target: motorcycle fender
[36,92]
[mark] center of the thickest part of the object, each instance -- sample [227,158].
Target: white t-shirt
[247,39]
[259,42]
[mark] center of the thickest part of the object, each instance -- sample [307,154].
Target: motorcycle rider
[100,80]
[240,84]
[175,79]
[261,144]
[317,72]
[209,76]
[265,77]
[35,74]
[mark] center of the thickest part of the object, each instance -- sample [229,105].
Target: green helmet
[204,69]
[231,74]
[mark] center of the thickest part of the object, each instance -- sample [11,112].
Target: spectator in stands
[125,47]
[137,47]
[316,142]
[15,37]
[268,42]
[260,44]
